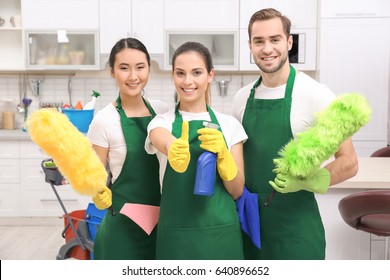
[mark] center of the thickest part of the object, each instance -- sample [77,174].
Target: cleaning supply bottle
[91,104]
[78,106]
[206,169]
[205,174]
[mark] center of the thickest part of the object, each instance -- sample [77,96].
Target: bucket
[77,252]
[94,217]
[80,118]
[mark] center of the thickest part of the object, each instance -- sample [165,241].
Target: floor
[40,241]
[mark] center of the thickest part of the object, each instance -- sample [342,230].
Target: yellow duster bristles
[70,149]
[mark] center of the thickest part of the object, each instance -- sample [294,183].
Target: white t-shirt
[308,97]
[232,130]
[106,131]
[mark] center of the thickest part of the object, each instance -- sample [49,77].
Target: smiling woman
[179,137]
[118,133]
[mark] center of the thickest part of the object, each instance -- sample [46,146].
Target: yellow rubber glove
[318,182]
[213,141]
[103,199]
[179,152]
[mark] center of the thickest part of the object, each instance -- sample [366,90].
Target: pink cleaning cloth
[146,216]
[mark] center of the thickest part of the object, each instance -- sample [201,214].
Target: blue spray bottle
[206,170]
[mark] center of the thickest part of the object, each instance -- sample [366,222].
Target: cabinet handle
[51,200]
[355,14]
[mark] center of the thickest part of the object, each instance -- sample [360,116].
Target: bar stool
[368,211]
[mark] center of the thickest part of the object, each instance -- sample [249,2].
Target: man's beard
[273,69]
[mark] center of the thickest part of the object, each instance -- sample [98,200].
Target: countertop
[374,173]
[14,134]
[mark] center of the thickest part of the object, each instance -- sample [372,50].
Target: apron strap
[176,126]
[122,113]
[289,85]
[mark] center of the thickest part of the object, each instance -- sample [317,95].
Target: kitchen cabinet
[212,15]
[11,37]
[223,46]
[354,9]
[355,57]
[302,13]
[141,19]
[60,14]
[23,190]
[217,29]
[9,179]
[62,50]
[37,197]
[61,34]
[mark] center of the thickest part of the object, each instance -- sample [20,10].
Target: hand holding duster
[339,121]
[317,182]
[71,151]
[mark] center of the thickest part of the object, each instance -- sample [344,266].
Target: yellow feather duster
[71,151]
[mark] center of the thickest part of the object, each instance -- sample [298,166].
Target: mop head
[70,149]
[339,121]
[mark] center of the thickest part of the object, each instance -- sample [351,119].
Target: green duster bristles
[339,121]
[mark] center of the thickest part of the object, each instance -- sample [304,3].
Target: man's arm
[345,165]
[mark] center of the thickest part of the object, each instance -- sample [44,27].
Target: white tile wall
[54,88]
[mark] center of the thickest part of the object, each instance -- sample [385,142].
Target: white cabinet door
[302,13]
[142,19]
[115,22]
[201,14]
[354,57]
[46,204]
[148,24]
[66,14]
[354,8]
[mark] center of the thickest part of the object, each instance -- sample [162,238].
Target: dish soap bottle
[78,106]
[91,104]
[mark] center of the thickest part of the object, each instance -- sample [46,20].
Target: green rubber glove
[213,141]
[179,152]
[103,199]
[318,182]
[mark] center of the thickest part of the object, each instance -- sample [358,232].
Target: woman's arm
[162,139]
[235,187]
[102,153]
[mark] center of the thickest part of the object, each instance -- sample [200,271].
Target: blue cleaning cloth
[248,212]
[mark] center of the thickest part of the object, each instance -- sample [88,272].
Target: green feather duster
[339,121]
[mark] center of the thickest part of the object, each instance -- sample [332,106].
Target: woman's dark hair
[127,43]
[203,52]
[194,47]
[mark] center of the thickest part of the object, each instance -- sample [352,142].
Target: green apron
[291,226]
[191,226]
[118,236]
